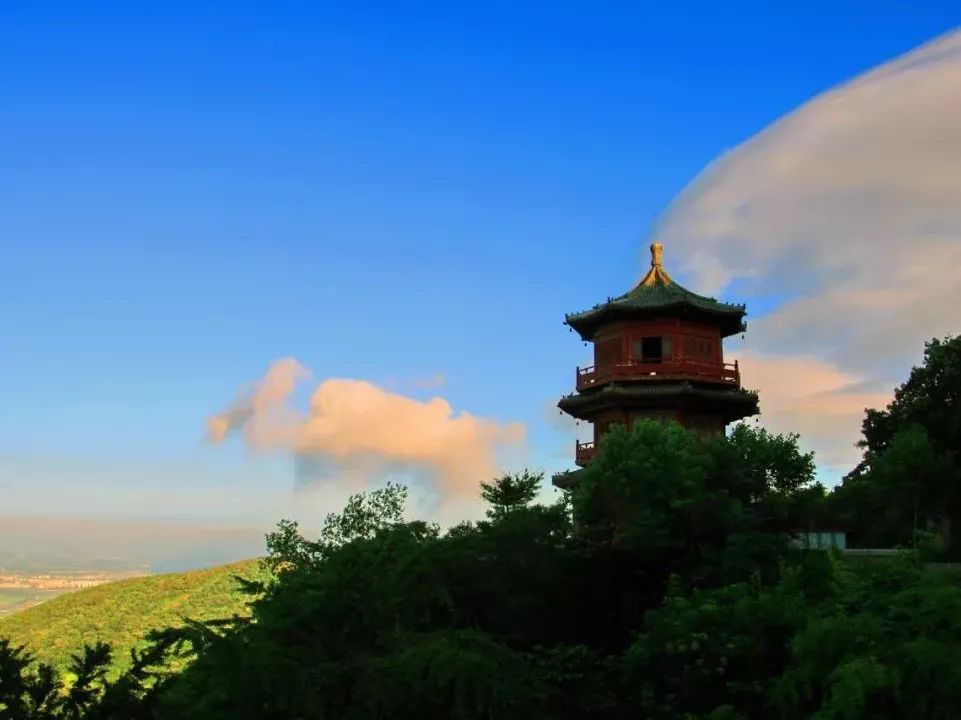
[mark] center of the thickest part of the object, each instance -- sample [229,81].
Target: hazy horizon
[35,543]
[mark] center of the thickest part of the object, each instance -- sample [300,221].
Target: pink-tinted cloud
[262,410]
[362,428]
[811,397]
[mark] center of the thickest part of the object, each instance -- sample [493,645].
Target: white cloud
[849,208]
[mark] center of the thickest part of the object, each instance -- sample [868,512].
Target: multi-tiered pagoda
[658,354]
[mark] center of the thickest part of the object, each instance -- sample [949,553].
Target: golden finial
[657,254]
[657,275]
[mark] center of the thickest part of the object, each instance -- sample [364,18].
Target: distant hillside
[122,612]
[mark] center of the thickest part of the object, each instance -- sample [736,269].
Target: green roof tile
[657,294]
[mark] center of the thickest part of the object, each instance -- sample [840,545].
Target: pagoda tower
[658,354]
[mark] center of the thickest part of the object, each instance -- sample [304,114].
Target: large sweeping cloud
[849,211]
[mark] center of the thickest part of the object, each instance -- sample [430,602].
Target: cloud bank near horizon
[356,431]
[848,208]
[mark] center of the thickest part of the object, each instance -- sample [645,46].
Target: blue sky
[383,191]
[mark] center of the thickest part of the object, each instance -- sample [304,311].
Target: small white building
[824,539]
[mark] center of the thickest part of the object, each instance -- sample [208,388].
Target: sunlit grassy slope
[122,612]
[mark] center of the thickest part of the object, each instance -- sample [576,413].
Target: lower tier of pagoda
[703,409]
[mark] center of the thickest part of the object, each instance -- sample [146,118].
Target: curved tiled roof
[736,401]
[658,294]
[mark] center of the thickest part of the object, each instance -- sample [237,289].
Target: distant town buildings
[60,581]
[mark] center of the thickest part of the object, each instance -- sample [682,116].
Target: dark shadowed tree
[908,482]
[930,399]
[510,492]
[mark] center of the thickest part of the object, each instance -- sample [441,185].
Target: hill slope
[122,612]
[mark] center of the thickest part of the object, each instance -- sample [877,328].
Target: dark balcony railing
[583,452]
[680,369]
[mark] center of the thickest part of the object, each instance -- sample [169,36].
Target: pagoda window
[696,348]
[652,349]
[607,353]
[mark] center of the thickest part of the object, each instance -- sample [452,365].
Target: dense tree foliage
[662,587]
[931,399]
[907,489]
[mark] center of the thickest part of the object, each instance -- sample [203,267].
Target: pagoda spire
[657,254]
[657,275]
